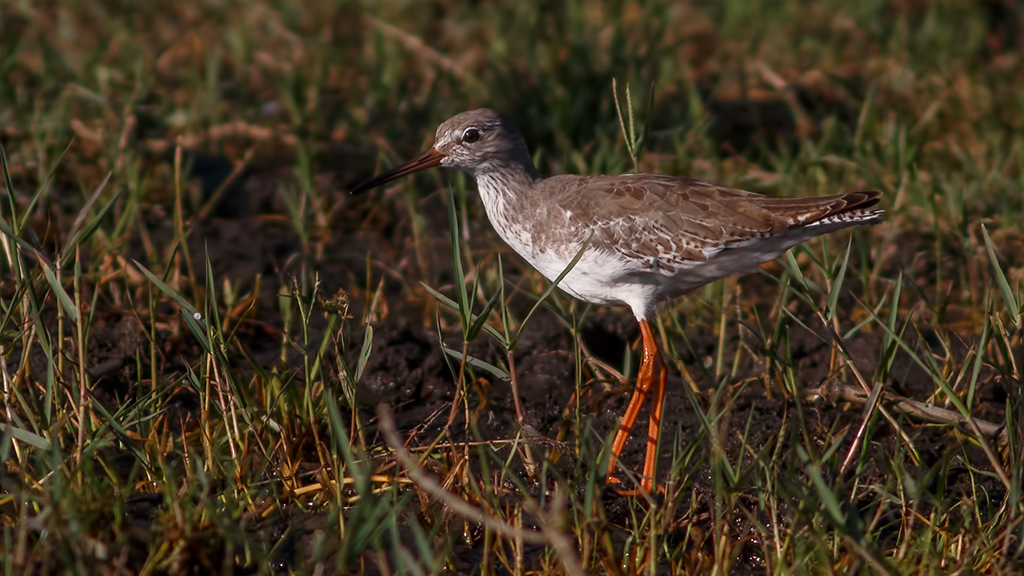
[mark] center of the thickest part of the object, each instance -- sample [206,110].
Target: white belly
[598,277]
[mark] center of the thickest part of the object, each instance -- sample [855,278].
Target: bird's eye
[471,135]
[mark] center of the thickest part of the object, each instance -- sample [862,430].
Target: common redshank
[649,238]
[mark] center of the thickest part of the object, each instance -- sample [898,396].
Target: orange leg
[652,371]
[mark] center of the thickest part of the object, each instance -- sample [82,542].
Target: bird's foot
[647,487]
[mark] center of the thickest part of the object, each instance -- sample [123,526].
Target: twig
[548,534]
[875,391]
[835,390]
[432,487]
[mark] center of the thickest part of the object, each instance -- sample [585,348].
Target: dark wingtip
[863,199]
[861,204]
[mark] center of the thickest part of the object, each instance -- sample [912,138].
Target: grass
[198,326]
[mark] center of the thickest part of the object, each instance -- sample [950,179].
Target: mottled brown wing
[680,221]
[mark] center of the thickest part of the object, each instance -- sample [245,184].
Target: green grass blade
[364,352]
[193,319]
[41,190]
[837,284]
[465,307]
[444,300]
[62,296]
[123,436]
[454,306]
[477,363]
[1012,304]
[480,320]
[79,233]
[25,436]
[8,184]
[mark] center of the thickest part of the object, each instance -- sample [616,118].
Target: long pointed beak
[428,159]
